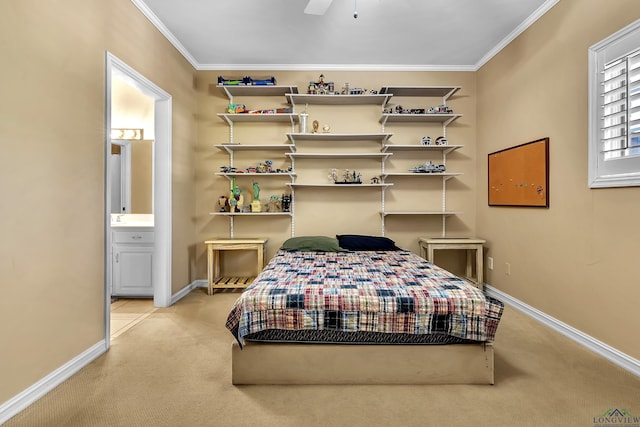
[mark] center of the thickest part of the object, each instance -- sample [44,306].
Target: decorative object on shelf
[348,177]
[265,167]
[286,203]
[236,108]
[246,81]
[262,81]
[441,109]
[284,110]
[227,169]
[321,87]
[425,140]
[256,206]
[333,175]
[441,140]
[222,203]
[316,124]
[428,167]
[326,129]
[375,180]
[232,81]
[274,204]
[303,120]
[236,201]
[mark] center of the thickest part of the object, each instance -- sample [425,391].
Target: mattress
[362,297]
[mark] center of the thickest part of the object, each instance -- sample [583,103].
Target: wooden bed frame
[282,363]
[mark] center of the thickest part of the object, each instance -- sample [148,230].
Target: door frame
[161,271]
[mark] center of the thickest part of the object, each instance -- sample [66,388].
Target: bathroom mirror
[131,176]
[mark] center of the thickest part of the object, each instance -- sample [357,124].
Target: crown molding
[537,14]
[153,18]
[335,67]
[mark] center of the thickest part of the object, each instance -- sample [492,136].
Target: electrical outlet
[490,263]
[507,269]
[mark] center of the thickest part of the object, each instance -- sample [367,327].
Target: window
[614,110]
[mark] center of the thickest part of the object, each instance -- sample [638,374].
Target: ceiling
[386,35]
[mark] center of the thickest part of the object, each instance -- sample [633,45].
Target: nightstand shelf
[215,246]
[472,246]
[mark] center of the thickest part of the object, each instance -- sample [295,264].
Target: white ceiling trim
[335,67]
[165,32]
[515,33]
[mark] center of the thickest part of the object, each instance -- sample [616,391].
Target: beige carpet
[173,369]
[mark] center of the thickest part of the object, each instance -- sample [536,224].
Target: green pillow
[312,244]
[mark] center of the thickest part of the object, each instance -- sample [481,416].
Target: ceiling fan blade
[317,7]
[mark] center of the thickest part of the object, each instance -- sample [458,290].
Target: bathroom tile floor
[128,312]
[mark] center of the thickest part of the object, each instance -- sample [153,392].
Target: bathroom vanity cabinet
[132,261]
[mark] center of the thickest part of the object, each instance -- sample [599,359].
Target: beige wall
[52,172]
[573,261]
[337,211]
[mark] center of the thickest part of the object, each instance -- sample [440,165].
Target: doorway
[161,270]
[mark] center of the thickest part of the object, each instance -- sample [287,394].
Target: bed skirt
[282,363]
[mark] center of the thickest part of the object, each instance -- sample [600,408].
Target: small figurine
[274,204]
[222,203]
[326,129]
[428,167]
[256,206]
[333,175]
[426,140]
[256,191]
[316,124]
[286,202]
[375,180]
[236,200]
[441,140]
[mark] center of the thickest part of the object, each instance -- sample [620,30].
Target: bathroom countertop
[131,220]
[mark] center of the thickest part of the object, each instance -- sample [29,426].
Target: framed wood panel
[519,176]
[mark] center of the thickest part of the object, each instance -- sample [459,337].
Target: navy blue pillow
[356,242]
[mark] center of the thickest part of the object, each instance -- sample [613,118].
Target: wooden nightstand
[428,245]
[214,246]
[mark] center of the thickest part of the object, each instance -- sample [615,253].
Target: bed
[370,314]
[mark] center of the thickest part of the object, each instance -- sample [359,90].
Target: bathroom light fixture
[127,133]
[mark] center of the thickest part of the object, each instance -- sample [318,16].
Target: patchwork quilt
[394,292]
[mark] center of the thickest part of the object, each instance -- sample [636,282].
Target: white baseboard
[626,362]
[185,291]
[13,406]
